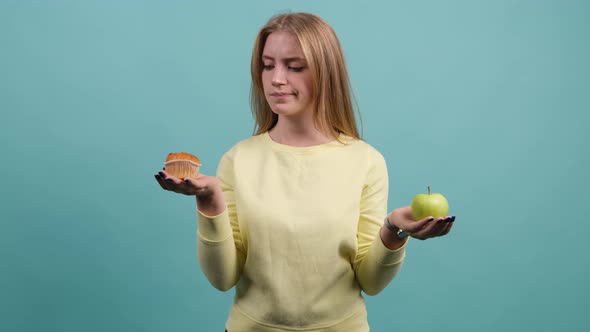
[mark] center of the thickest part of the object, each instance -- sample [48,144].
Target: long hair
[332,101]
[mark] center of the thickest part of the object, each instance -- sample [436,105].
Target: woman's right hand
[205,188]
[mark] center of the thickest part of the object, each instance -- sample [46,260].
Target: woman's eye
[267,67]
[297,69]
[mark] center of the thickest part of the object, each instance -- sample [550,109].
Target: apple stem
[428,189]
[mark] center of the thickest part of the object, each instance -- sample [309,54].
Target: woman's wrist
[211,205]
[391,235]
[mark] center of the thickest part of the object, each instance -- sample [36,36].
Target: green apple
[424,205]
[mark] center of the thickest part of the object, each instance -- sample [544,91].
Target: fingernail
[163,168]
[161,174]
[452,218]
[157,176]
[168,179]
[187,180]
[430,219]
[439,221]
[448,219]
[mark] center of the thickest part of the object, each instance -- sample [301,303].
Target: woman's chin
[283,110]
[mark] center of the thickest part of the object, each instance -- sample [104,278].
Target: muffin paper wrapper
[182,168]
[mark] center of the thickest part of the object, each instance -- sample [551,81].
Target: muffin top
[182,156]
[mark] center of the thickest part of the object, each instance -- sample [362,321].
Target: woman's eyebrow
[291,59]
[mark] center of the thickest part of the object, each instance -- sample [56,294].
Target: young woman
[296,217]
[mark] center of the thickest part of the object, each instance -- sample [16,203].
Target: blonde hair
[334,111]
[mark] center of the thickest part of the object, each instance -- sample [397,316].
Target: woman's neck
[297,134]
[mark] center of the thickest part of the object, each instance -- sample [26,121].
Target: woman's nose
[279,77]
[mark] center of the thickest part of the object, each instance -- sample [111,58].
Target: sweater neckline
[303,149]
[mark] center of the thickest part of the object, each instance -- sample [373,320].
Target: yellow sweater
[300,236]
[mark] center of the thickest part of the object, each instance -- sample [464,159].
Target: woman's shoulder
[361,146]
[251,142]
[248,144]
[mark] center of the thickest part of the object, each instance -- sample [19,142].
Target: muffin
[182,165]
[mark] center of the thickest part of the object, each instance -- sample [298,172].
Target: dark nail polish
[187,180]
[168,179]
[452,218]
[161,174]
[430,219]
[157,176]
[440,221]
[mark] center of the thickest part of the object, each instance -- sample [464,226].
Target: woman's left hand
[421,229]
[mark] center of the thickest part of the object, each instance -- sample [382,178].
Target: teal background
[485,100]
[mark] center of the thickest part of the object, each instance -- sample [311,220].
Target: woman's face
[286,79]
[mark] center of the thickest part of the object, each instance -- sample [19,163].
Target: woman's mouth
[281,94]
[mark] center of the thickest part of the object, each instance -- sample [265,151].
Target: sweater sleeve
[219,247]
[375,265]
